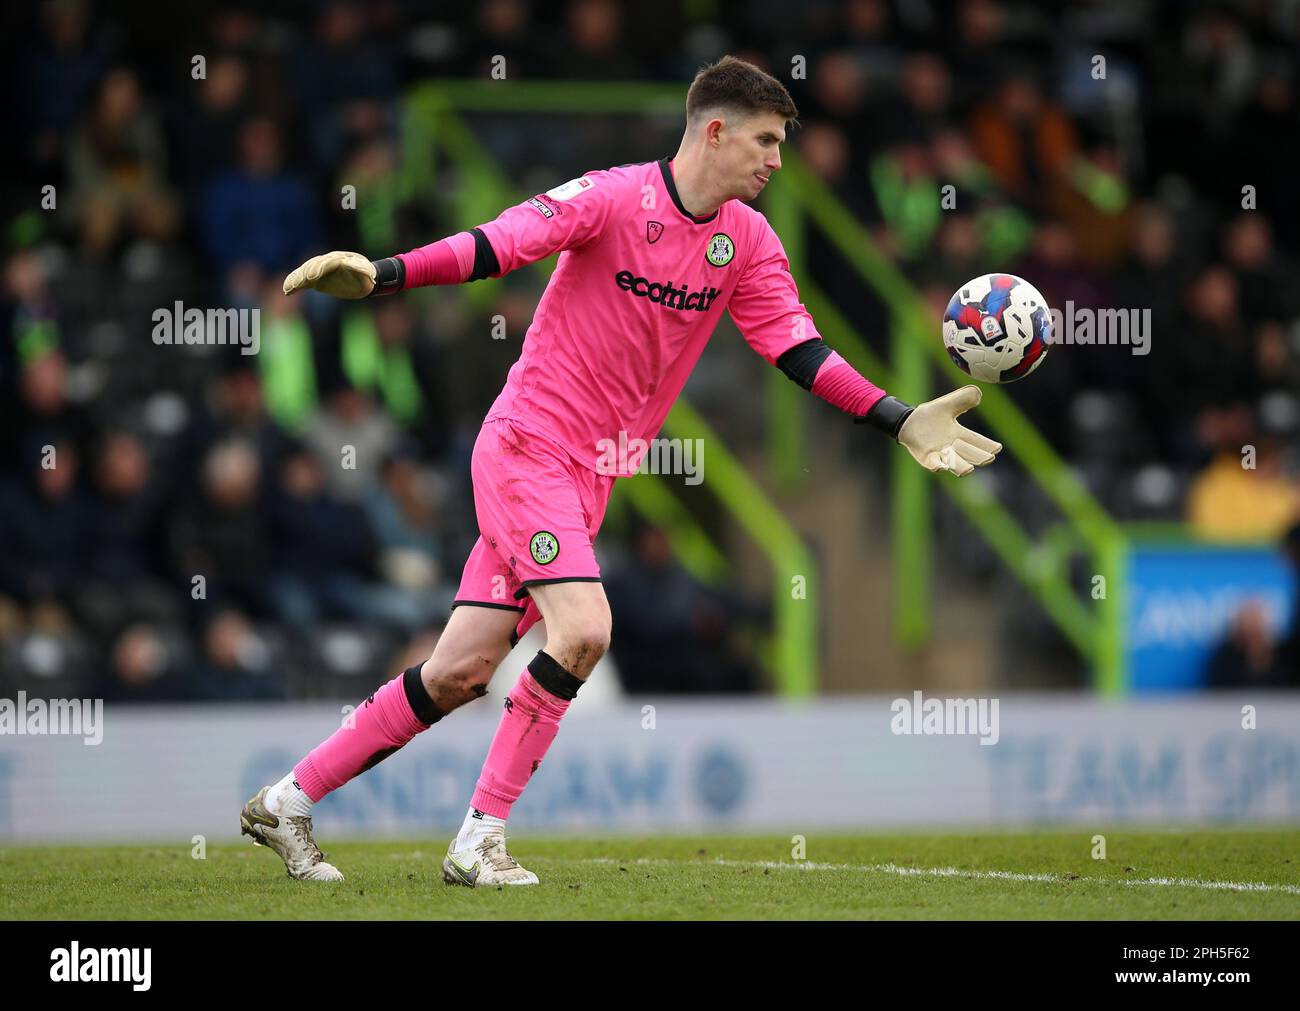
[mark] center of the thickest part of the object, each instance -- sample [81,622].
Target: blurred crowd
[179,522]
[1120,157]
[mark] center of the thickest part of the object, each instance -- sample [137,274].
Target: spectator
[45,539]
[1212,365]
[345,83]
[32,316]
[351,439]
[402,514]
[207,128]
[1261,274]
[1025,138]
[41,414]
[117,170]
[1232,500]
[68,58]
[1249,656]
[221,534]
[323,559]
[143,670]
[257,213]
[125,571]
[671,634]
[287,360]
[234,409]
[238,663]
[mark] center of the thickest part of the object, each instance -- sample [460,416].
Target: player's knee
[579,645]
[594,641]
[463,680]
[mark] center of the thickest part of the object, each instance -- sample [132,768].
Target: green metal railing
[433,126]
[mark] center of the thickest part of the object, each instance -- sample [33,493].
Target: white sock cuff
[288,798]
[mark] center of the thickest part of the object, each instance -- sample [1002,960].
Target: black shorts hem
[484,603]
[523,587]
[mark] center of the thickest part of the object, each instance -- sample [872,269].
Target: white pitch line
[957,872]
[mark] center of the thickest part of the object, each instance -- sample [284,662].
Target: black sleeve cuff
[485,257]
[801,362]
[887,414]
[390,276]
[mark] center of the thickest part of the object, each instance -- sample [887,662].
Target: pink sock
[528,726]
[377,728]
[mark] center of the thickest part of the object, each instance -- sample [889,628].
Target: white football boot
[485,864]
[288,836]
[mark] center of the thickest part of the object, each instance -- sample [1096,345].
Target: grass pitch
[1147,875]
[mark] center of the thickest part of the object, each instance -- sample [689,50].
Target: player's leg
[539,511]
[578,624]
[577,634]
[467,654]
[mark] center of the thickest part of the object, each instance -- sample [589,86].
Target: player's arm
[561,218]
[767,310]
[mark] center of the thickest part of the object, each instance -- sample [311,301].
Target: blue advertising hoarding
[1182,599]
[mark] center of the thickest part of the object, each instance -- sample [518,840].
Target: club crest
[544,547]
[721,250]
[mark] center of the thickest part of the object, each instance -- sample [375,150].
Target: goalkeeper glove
[931,433]
[347,275]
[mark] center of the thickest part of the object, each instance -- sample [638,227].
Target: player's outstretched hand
[933,436]
[343,275]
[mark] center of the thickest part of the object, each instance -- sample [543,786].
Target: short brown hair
[733,83]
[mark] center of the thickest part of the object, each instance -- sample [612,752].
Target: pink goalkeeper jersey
[638,289]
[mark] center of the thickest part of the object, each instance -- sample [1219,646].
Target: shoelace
[302,829]
[493,849]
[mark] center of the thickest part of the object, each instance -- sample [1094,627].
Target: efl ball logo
[996,328]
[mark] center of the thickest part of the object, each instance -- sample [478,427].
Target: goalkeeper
[651,255]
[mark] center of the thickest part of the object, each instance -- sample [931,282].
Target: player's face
[753,153]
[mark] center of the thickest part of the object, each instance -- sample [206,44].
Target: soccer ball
[996,328]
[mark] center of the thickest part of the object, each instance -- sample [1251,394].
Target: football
[996,328]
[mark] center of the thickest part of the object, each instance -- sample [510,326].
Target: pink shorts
[538,512]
